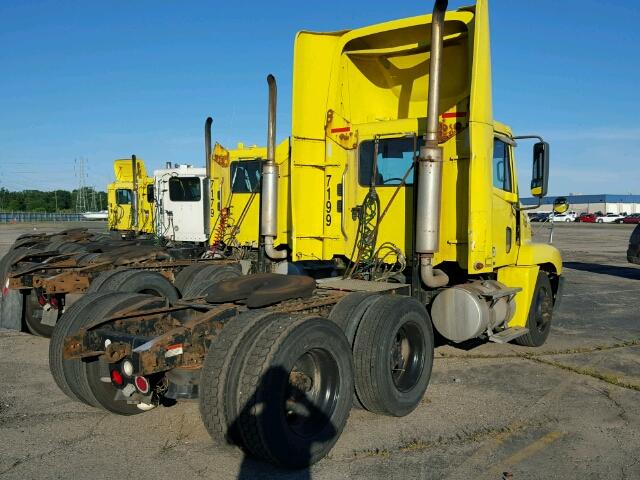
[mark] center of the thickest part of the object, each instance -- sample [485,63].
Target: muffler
[430,164]
[269,190]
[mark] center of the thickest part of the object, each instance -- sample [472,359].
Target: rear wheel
[184,276]
[295,391]
[208,276]
[136,281]
[393,355]
[348,312]
[66,324]
[84,377]
[33,316]
[220,373]
[540,313]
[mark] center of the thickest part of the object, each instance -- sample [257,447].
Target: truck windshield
[245,176]
[395,156]
[184,189]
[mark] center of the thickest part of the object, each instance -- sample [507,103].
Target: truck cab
[124,196]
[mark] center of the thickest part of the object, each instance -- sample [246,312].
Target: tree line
[64,201]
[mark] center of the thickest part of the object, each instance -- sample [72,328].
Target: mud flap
[11,309]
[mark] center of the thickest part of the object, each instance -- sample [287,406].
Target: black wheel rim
[544,308]
[407,356]
[312,392]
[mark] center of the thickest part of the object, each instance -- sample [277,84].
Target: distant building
[605,203]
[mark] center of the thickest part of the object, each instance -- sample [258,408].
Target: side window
[123,196]
[395,156]
[245,176]
[184,189]
[150,195]
[501,166]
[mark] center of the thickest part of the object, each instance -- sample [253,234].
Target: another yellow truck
[402,189]
[131,197]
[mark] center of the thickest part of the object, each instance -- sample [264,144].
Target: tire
[135,281]
[101,279]
[568,220]
[185,275]
[33,316]
[600,221]
[204,286]
[84,376]
[142,281]
[348,312]
[72,247]
[286,436]
[220,374]
[540,314]
[63,328]
[57,244]
[7,261]
[395,332]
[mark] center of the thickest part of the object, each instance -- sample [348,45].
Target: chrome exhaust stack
[269,190]
[134,194]
[206,187]
[430,164]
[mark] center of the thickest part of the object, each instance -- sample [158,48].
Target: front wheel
[600,221]
[540,313]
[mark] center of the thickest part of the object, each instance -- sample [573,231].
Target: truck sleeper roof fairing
[349,86]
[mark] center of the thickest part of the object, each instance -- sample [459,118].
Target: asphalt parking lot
[570,409]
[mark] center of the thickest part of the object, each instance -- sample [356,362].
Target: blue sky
[103,80]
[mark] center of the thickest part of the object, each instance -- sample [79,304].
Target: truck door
[394,158]
[505,198]
[184,209]
[124,198]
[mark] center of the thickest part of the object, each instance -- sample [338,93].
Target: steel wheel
[314,380]
[407,356]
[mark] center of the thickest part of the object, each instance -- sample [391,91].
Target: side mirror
[560,205]
[540,176]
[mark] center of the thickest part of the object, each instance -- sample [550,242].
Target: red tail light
[142,384]
[116,377]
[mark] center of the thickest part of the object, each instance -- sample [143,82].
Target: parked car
[563,217]
[633,218]
[608,218]
[633,253]
[587,218]
[541,217]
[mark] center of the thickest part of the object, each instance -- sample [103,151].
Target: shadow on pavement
[632,273]
[281,422]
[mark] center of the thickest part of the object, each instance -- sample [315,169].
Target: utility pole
[81,196]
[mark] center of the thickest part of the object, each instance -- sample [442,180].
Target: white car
[608,218]
[563,217]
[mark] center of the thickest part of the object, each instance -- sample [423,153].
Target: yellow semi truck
[131,197]
[403,186]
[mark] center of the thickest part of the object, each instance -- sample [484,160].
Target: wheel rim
[544,309]
[312,392]
[406,356]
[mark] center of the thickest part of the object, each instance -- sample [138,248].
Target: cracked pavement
[569,409]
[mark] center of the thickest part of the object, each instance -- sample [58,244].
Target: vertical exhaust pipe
[207,145]
[269,191]
[206,187]
[134,194]
[430,164]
